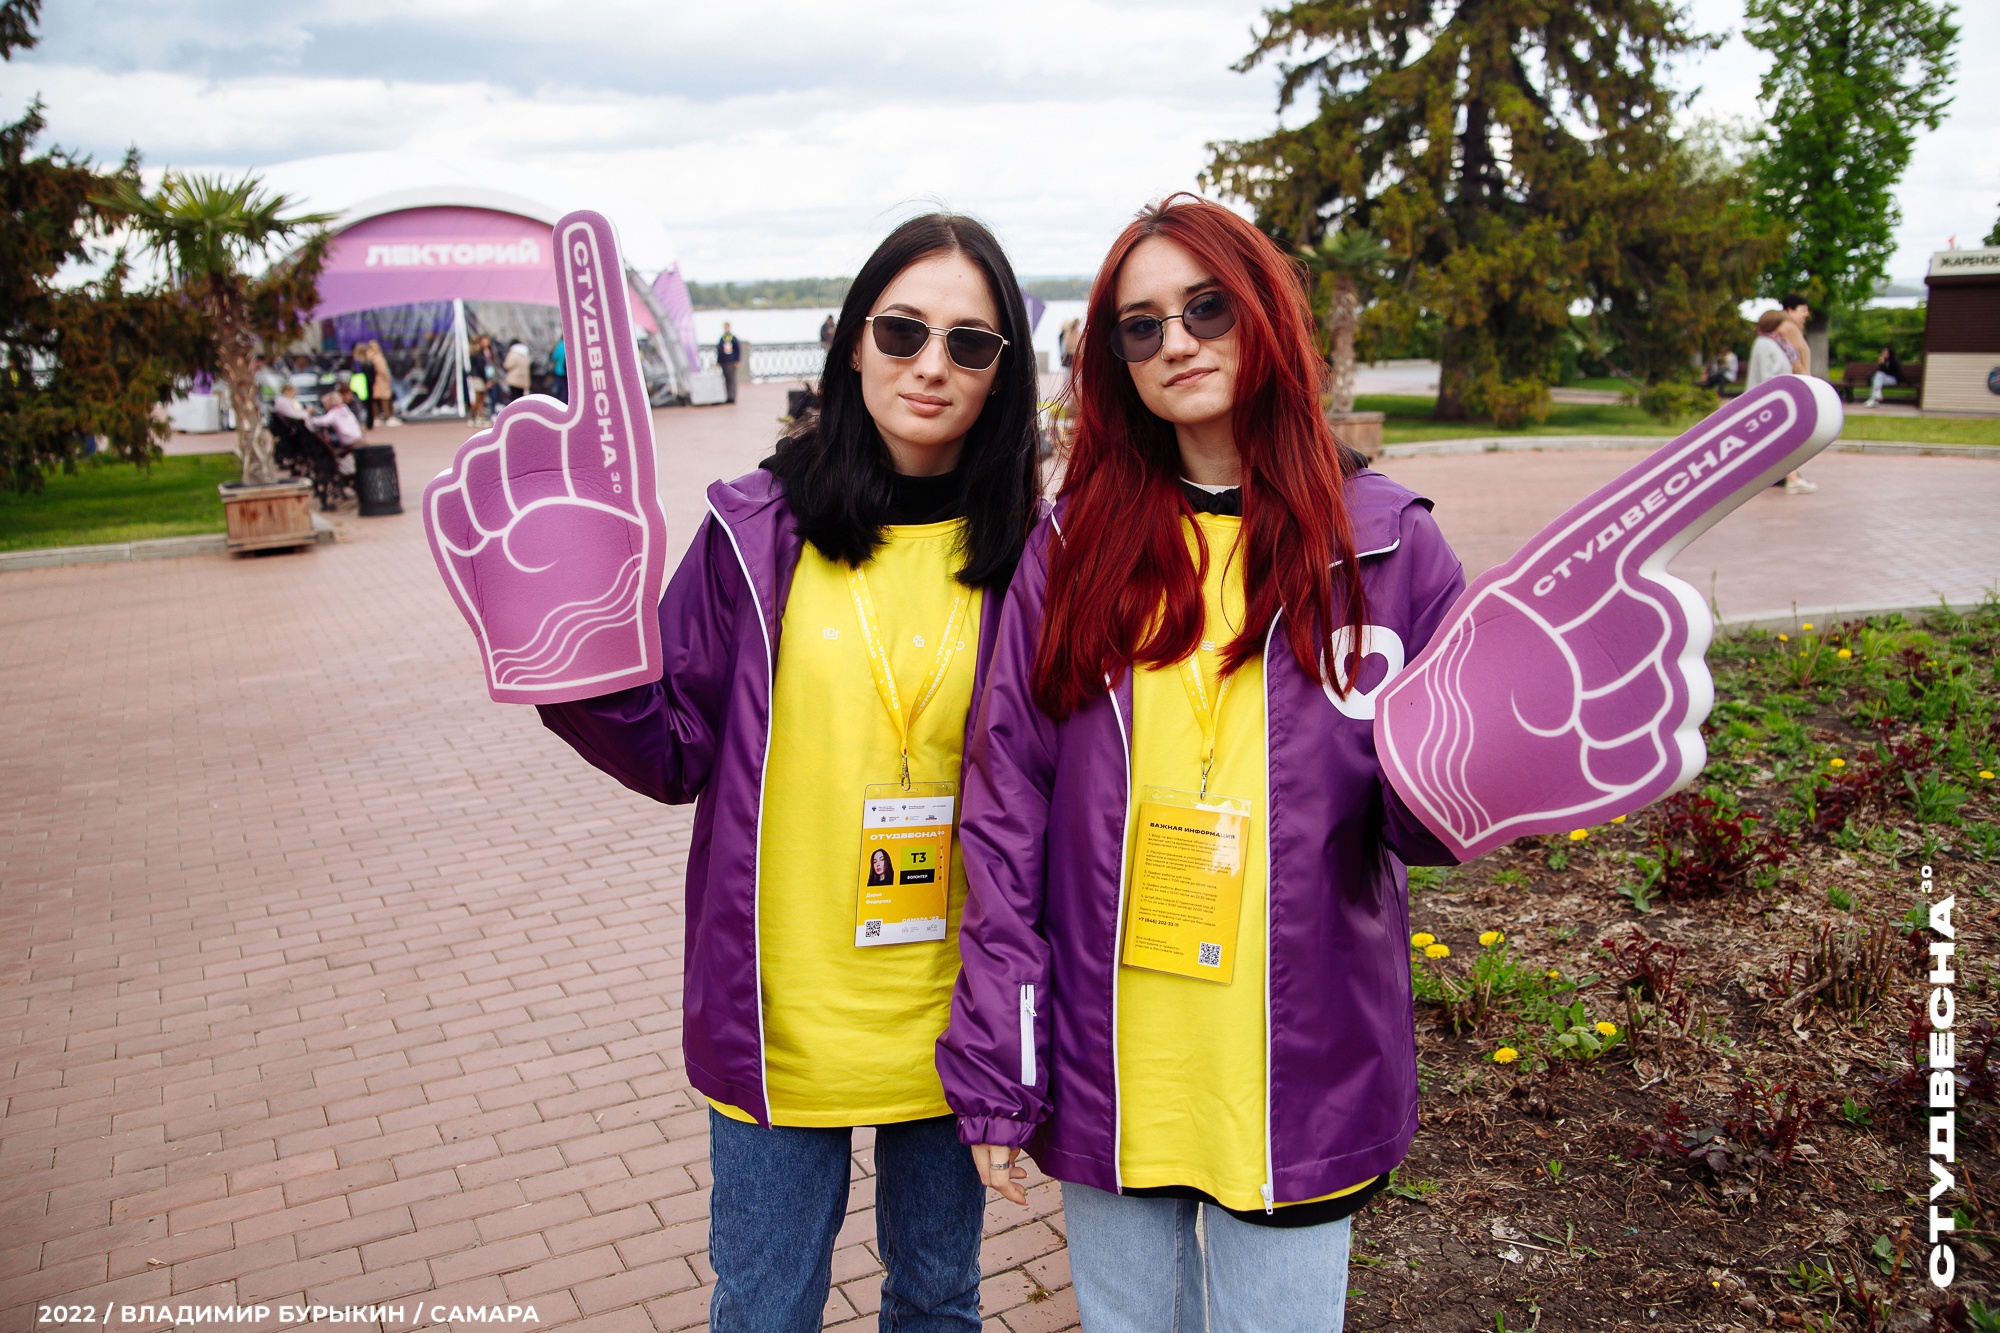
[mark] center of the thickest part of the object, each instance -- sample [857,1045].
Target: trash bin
[375,482]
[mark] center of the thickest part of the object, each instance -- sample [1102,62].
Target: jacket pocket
[1028,1036]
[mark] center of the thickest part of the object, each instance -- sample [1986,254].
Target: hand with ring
[996,1167]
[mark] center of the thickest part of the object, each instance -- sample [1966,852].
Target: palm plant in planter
[1343,265]
[210,233]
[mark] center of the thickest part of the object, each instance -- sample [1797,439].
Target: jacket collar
[752,509]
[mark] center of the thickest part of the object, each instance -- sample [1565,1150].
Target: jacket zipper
[1270,929]
[1124,854]
[1028,1035]
[757,834]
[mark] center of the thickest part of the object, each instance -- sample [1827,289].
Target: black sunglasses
[903,337]
[1139,338]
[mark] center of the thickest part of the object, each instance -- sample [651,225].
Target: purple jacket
[701,734]
[1030,1055]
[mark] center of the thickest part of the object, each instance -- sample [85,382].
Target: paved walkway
[327,980]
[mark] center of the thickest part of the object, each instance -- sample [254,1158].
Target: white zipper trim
[1028,1035]
[1117,938]
[1270,925]
[757,834]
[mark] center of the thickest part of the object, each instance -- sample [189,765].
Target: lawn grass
[107,501]
[1409,421]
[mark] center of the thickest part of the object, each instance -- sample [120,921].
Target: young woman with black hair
[825,637]
[1185,987]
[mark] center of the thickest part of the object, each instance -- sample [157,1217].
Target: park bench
[1856,374]
[303,453]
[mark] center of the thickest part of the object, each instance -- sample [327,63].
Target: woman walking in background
[382,389]
[824,637]
[1773,353]
[1180,682]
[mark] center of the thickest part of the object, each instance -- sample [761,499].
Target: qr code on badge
[1211,955]
[872,930]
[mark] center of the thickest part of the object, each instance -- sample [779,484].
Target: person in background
[477,372]
[496,384]
[1722,370]
[516,368]
[1797,312]
[727,353]
[381,388]
[1888,370]
[559,364]
[339,427]
[1772,354]
[361,379]
[287,403]
[826,332]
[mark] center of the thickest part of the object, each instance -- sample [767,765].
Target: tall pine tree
[1516,158]
[1850,83]
[78,362]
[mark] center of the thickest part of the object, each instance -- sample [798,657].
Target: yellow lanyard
[1207,715]
[878,658]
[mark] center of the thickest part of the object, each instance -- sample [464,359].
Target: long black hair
[834,464]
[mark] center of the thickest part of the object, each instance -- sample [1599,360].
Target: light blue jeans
[1139,1267]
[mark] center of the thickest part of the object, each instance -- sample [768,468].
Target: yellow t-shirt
[849,1033]
[1191,1054]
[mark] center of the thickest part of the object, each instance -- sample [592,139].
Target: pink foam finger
[1568,685]
[563,593]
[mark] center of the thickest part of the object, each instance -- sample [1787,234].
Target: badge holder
[905,863]
[1188,858]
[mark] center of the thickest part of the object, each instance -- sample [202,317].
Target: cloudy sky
[769,138]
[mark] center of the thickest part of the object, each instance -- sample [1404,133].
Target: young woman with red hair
[1185,987]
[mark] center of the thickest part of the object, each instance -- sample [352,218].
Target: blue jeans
[1139,1267]
[779,1199]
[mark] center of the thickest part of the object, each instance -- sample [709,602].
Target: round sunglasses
[902,337]
[1140,337]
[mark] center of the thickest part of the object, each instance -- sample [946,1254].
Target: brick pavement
[331,981]
[1880,531]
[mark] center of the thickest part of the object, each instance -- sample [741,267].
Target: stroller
[301,452]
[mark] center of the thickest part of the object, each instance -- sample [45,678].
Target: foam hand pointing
[1567,686]
[548,527]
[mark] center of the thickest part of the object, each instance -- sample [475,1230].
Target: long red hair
[1121,588]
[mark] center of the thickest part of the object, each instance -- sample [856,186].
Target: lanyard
[1207,714]
[878,658]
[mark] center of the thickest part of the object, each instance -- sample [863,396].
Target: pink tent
[440,252]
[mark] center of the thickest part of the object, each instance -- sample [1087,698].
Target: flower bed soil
[1755,1156]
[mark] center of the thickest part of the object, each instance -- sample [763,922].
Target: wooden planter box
[1359,431]
[277,513]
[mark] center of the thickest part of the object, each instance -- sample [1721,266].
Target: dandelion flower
[1552,974]
[1837,762]
[1578,835]
[1607,1029]
[1490,938]
[1807,625]
[1784,638]
[1421,938]
[1844,653]
[1506,1055]
[1618,819]
[1437,951]
[1986,773]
